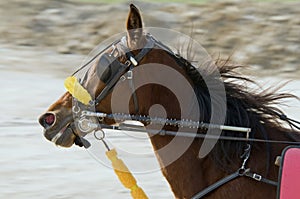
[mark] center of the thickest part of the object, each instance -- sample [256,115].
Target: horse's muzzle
[56,131]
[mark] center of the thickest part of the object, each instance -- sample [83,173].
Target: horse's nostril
[47,120]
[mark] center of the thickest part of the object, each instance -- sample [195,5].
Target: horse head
[101,77]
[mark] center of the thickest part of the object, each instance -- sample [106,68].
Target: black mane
[246,107]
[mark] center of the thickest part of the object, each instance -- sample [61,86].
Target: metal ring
[99,137]
[242,171]
[100,119]
[122,78]
[102,138]
[76,109]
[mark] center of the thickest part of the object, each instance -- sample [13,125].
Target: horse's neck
[187,174]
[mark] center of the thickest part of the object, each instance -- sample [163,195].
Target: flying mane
[246,107]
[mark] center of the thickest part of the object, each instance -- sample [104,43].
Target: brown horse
[188,174]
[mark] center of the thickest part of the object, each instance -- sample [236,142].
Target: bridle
[127,67]
[123,71]
[120,70]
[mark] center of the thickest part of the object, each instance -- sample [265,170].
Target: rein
[202,127]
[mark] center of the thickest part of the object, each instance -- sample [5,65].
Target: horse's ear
[135,37]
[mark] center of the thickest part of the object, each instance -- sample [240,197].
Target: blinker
[107,66]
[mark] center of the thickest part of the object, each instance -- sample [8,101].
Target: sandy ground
[32,78]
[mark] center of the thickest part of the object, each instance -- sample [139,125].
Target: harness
[116,70]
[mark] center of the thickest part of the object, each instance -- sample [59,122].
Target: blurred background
[42,42]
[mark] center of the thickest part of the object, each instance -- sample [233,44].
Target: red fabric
[290,179]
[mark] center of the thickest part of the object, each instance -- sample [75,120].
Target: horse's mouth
[61,130]
[58,129]
[60,134]
[65,137]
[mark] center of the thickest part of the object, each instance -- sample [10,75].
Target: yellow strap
[124,175]
[77,91]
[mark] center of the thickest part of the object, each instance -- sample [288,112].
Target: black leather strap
[216,185]
[231,177]
[260,178]
[149,45]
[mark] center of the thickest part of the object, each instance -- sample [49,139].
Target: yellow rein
[124,175]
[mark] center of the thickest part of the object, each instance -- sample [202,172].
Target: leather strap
[136,59]
[231,177]
[216,185]
[260,178]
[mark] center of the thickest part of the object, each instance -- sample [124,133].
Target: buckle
[128,63]
[256,177]
[122,78]
[129,74]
